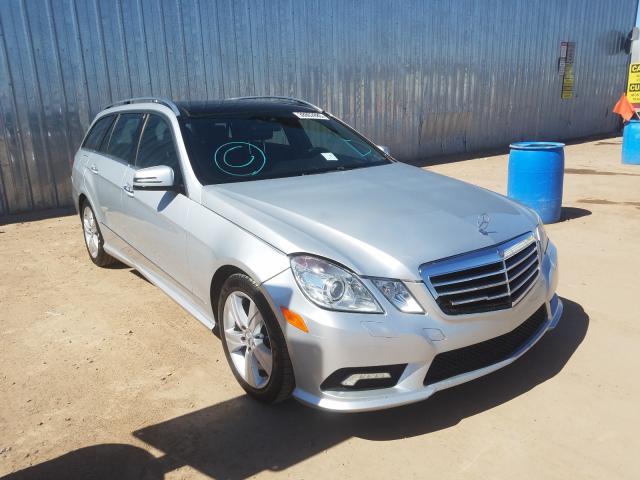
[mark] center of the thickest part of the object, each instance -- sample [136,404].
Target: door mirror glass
[385,149]
[160,177]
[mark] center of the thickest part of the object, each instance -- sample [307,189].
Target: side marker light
[294,319]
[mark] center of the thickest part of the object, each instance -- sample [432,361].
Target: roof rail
[160,101]
[287,99]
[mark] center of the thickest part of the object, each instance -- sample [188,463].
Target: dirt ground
[103,376]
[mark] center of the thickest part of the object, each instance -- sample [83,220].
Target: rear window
[124,137]
[96,134]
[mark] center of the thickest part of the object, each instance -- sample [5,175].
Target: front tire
[93,238]
[253,341]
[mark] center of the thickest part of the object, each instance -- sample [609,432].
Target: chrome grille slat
[468,279]
[513,250]
[472,289]
[524,269]
[525,280]
[514,265]
[493,278]
[478,299]
[524,293]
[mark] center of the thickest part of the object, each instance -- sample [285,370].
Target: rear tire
[93,239]
[253,341]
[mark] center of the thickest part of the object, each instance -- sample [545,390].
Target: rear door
[85,159]
[155,220]
[109,167]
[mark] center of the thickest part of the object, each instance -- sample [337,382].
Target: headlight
[542,236]
[397,293]
[332,287]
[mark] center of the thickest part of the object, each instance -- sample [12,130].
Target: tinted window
[124,137]
[157,147]
[246,146]
[95,136]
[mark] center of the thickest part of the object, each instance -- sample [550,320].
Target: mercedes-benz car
[330,271]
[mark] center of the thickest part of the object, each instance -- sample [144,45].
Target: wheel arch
[221,274]
[218,279]
[81,199]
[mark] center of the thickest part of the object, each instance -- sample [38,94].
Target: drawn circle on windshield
[358,147]
[240,159]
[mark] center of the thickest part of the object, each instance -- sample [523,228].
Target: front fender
[214,242]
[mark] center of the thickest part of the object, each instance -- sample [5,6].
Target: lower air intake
[474,357]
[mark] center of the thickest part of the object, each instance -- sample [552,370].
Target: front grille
[490,279]
[467,359]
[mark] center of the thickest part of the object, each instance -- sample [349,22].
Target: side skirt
[115,246]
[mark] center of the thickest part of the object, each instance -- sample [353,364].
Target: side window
[124,136]
[157,147]
[95,136]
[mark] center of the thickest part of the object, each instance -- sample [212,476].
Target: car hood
[380,221]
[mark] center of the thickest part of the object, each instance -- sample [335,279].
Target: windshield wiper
[337,168]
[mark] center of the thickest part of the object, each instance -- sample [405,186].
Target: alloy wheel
[91,234]
[247,339]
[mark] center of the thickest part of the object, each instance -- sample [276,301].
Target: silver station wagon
[331,272]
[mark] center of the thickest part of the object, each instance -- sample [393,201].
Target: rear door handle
[128,190]
[93,168]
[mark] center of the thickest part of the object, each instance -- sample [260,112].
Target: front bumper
[339,340]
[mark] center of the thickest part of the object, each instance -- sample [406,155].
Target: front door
[155,220]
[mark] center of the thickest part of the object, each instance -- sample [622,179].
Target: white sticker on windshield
[311,115]
[329,156]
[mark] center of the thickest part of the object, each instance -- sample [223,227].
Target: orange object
[624,108]
[294,319]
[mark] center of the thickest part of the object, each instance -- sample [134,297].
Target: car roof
[205,108]
[257,105]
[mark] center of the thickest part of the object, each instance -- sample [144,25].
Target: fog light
[351,380]
[363,378]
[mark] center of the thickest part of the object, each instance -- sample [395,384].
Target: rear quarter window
[97,133]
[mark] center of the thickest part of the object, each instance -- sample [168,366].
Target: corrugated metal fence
[423,77]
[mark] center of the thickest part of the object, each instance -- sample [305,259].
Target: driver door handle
[93,168]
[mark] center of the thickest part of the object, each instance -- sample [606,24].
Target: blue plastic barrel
[631,143]
[536,171]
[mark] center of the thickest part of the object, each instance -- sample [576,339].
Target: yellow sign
[633,85]
[567,82]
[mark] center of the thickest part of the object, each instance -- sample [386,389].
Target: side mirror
[154,178]
[385,149]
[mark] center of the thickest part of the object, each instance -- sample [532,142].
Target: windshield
[236,148]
